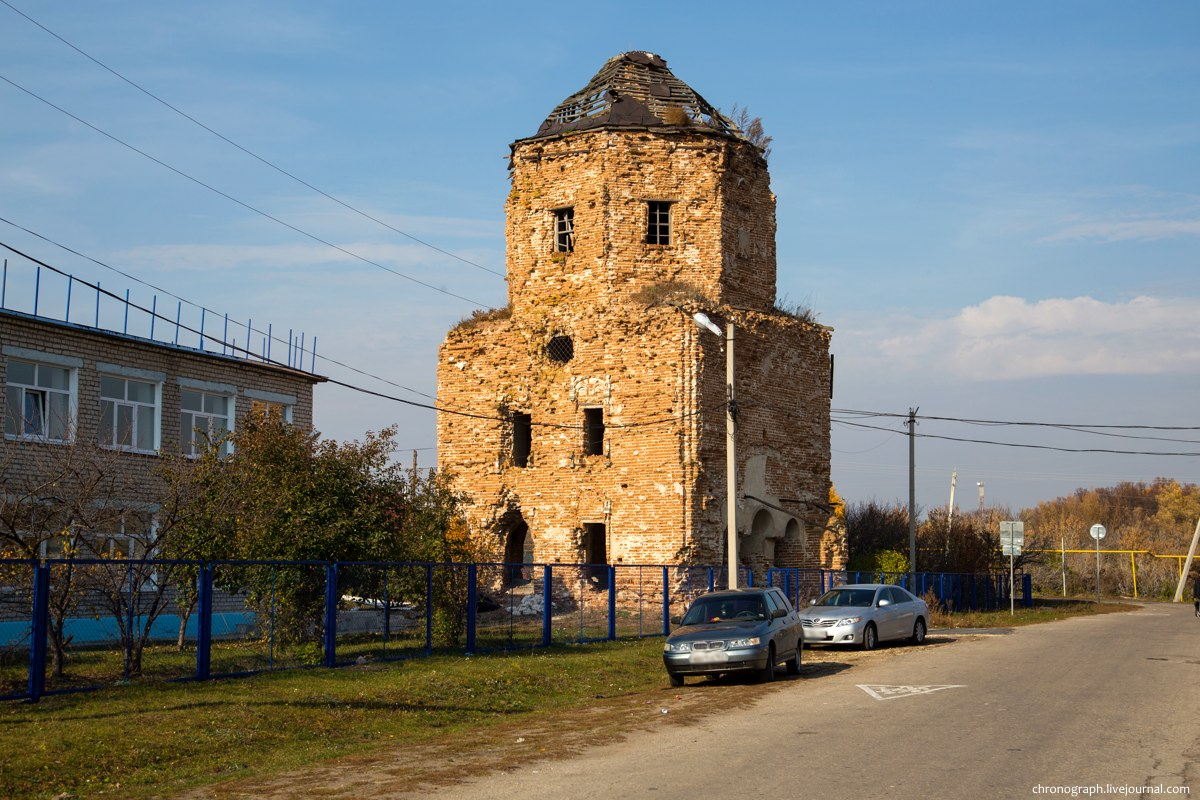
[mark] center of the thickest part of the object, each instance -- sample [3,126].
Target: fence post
[39,624]
[710,579]
[331,601]
[472,603]
[1027,590]
[204,622]
[666,601]
[547,606]
[428,609]
[612,602]
[133,594]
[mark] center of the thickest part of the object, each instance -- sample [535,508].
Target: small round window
[561,349]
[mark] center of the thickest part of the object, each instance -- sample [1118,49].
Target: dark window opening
[593,431]
[595,553]
[658,222]
[561,349]
[518,555]
[522,439]
[564,230]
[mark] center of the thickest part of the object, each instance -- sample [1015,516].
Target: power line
[1020,445]
[241,203]
[1010,422]
[250,153]
[344,384]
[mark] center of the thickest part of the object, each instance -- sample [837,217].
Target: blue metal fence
[67,625]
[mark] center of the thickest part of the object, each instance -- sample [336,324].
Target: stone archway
[518,549]
[762,537]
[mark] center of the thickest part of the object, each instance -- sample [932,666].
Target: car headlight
[750,641]
[677,647]
[848,621]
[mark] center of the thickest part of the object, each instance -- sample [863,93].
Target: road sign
[1012,537]
[1098,532]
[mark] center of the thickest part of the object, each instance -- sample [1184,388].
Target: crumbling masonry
[594,424]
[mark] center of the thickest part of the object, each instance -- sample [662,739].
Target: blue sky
[995,206]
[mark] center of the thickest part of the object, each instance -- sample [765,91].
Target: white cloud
[1005,338]
[1124,230]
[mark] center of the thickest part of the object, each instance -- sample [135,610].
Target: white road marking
[886,692]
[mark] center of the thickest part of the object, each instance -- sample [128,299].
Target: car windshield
[721,609]
[851,598]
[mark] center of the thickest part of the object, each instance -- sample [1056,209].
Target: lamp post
[731,545]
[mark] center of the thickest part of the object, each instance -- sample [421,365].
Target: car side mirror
[812,601]
[676,620]
[779,612]
[885,602]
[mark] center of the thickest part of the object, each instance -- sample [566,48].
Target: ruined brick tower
[594,424]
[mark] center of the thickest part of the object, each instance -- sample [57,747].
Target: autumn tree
[282,493]
[97,518]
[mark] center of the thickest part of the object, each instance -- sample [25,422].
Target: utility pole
[950,515]
[731,461]
[912,495]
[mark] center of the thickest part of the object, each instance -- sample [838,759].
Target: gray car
[742,630]
[865,614]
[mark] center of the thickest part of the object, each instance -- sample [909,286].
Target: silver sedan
[865,614]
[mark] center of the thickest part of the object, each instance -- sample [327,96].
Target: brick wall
[96,352]
[659,485]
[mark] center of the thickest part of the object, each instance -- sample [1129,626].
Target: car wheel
[768,672]
[676,680]
[793,664]
[870,637]
[919,630]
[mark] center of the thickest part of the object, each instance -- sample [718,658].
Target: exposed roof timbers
[636,90]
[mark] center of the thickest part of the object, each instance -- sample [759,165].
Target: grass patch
[154,739]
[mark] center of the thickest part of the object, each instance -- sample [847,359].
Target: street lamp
[731,545]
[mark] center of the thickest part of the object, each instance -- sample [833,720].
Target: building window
[204,418]
[560,348]
[128,414]
[595,553]
[564,230]
[38,401]
[522,439]
[658,222]
[593,431]
[271,409]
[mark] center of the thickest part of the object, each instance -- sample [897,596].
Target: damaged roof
[636,90]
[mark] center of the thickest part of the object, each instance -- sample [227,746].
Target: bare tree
[82,508]
[752,129]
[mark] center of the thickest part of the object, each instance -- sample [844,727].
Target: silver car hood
[834,612]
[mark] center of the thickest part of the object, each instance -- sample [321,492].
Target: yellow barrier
[1132,561]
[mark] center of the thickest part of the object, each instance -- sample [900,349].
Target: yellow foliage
[839,505]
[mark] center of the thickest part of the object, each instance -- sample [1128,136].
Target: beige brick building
[586,420]
[89,415]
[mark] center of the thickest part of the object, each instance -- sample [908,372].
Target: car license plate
[710,657]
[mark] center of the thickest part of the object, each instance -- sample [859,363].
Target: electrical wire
[241,203]
[1020,445]
[250,153]
[250,355]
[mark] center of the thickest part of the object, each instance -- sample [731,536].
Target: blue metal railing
[74,624]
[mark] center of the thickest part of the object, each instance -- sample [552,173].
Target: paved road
[1087,702]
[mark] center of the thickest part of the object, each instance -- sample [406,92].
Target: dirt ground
[412,771]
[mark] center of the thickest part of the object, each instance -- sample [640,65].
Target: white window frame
[139,408]
[125,543]
[39,361]
[206,389]
[271,403]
